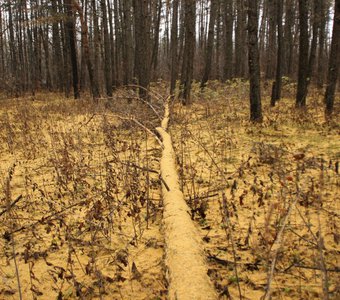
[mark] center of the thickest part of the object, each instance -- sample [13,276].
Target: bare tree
[276,92]
[254,62]
[70,27]
[210,42]
[174,46]
[189,50]
[303,54]
[142,41]
[333,65]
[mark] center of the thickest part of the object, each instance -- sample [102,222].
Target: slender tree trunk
[154,59]
[127,42]
[107,51]
[315,30]
[70,27]
[288,38]
[276,92]
[174,46]
[12,48]
[271,46]
[303,54]
[333,65]
[142,39]
[210,43]
[113,52]
[84,32]
[254,62]
[57,57]
[189,50]
[96,43]
[240,40]
[228,39]
[321,50]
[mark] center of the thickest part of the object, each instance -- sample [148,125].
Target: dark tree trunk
[96,42]
[303,55]
[174,46]
[142,41]
[154,58]
[57,57]
[84,32]
[127,42]
[254,62]
[333,65]
[312,54]
[228,39]
[112,41]
[288,38]
[240,40]
[189,50]
[70,27]
[321,50]
[276,94]
[107,51]
[271,46]
[12,49]
[210,43]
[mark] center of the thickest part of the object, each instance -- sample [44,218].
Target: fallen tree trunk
[187,270]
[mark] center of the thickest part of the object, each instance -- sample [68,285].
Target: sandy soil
[81,210]
[244,181]
[88,223]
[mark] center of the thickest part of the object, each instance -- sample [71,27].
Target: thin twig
[231,238]
[132,119]
[275,248]
[11,205]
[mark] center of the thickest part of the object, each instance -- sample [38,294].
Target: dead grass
[87,223]
[266,196]
[80,207]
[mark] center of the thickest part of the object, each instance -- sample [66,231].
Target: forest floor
[81,206]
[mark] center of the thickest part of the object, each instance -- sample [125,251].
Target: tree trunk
[276,94]
[113,52]
[271,46]
[303,55]
[142,40]
[254,61]
[288,38]
[127,42]
[154,59]
[333,65]
[312,54]
[174,46]
[84,32]
[96,42]
[321,50]
[210,43]
[189,50]
[240,40]
[107,51]
[228,39]
[70,27]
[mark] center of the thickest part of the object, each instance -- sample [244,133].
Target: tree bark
[210,43]
[228,39]
[303,55]
[174,46]
[276,94]
[142,41]
[84,31]
[70,27]
[254,62]
[333,65]
[107,51]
